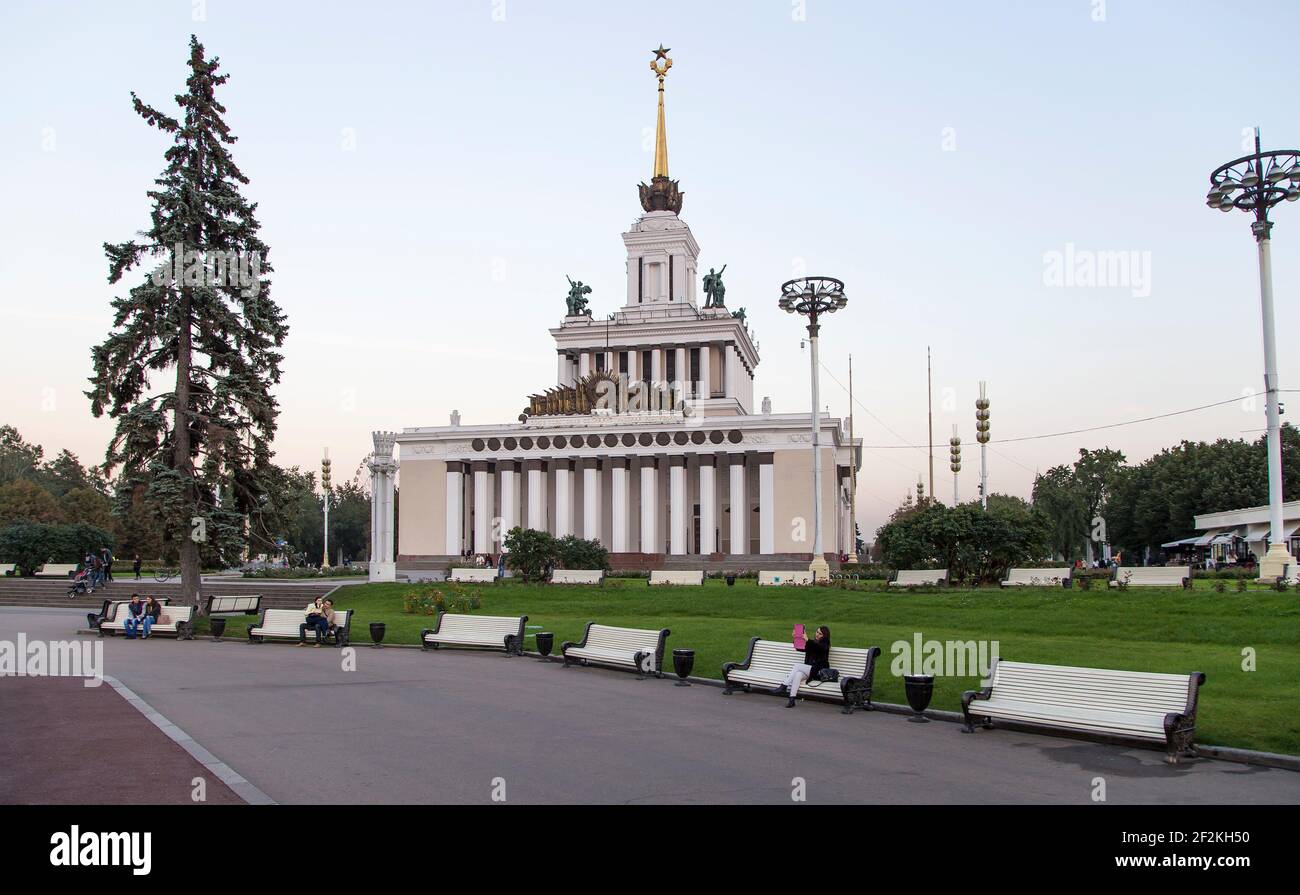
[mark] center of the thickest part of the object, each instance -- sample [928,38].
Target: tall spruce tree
[201,319]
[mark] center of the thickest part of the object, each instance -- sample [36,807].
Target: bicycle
[164,575]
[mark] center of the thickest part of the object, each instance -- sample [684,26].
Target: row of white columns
[568,370]
[507,482]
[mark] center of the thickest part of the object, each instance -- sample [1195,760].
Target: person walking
[135,566]
[817,654]
[108,564]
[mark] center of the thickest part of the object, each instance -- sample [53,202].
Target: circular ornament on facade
[628,439]
[593,441]
[662,439]
[698,437]
[477,444]
[543,442]
[681,438]
[511,444]
[561,442]
[646,439]
[716,437]
[526,443]
[611,440]
[494,444]
[734,436]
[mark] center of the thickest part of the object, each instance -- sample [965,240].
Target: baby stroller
[82,584]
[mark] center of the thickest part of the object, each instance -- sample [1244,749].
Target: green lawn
[1151,629]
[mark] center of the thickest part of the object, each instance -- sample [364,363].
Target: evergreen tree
[203,313]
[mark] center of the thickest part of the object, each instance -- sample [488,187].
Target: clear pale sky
[428,173]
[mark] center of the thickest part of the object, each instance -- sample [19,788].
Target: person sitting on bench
[134,610]
[320,616]
[149,617]
[816,659]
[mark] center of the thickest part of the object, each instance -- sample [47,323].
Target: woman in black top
[816,658]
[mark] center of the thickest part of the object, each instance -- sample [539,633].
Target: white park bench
[57,570]
[1037,578]
[578,576]
[781,579]
[692,578]
[503,632]
[178,621]
[919,577]
[472,575]
[234,604]
[8,568]
[639,649]
[1153,576]
[770,661]
[282,624]
[1097,701]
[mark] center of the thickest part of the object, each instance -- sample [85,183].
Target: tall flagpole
[853,477]
[929,403]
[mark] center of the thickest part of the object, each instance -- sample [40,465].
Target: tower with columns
[690,476]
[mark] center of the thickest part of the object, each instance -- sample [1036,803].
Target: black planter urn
[683,664]
[731,581]
[218,627]
[545,640]
[377,631]
[920,690]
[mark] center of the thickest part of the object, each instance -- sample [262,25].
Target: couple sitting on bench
[320,618]
[140,617]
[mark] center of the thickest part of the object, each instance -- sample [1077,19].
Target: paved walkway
[412,727]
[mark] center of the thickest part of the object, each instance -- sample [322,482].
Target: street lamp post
[954,463]
[982,436]
[1255,183]
[813,297]
[325,483]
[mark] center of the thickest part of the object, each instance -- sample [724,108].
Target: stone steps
[52,593]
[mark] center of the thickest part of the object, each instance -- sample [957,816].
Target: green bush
[576,553]
[303,572]
[530,552]
[32,544]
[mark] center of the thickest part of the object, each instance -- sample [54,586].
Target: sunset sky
[428,173]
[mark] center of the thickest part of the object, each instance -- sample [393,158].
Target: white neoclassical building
[649,442]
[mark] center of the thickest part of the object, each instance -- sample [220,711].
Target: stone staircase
[52,593]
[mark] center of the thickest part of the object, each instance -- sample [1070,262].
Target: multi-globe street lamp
[1255,183]
[813,297]
[325,484]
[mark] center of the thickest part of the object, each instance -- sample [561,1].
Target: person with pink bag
[816,663]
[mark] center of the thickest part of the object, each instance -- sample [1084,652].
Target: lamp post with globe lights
[814,297]
[1255,183]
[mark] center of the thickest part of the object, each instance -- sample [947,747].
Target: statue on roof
[577,300]
[740,315]
[714,289]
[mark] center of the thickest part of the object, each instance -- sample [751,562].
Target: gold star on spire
[660,65]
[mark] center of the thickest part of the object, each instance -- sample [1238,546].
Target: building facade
[649,441]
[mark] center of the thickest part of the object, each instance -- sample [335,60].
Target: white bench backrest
[577,576]
[631,639]
[663,576]
[57,570]
[793,576]
[910,577]
[474,576]
[231,603]
[1091,688]
[780,656]
[1153,575]
[286,621]
[115,606]
[7,568]
[1037,576]
[487,627]
[173,614]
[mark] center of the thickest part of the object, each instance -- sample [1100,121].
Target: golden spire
[660,66]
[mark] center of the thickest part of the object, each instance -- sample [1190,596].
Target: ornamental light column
[982,436]
[954,463]
[1255,183]
[325,483]
[813,297]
